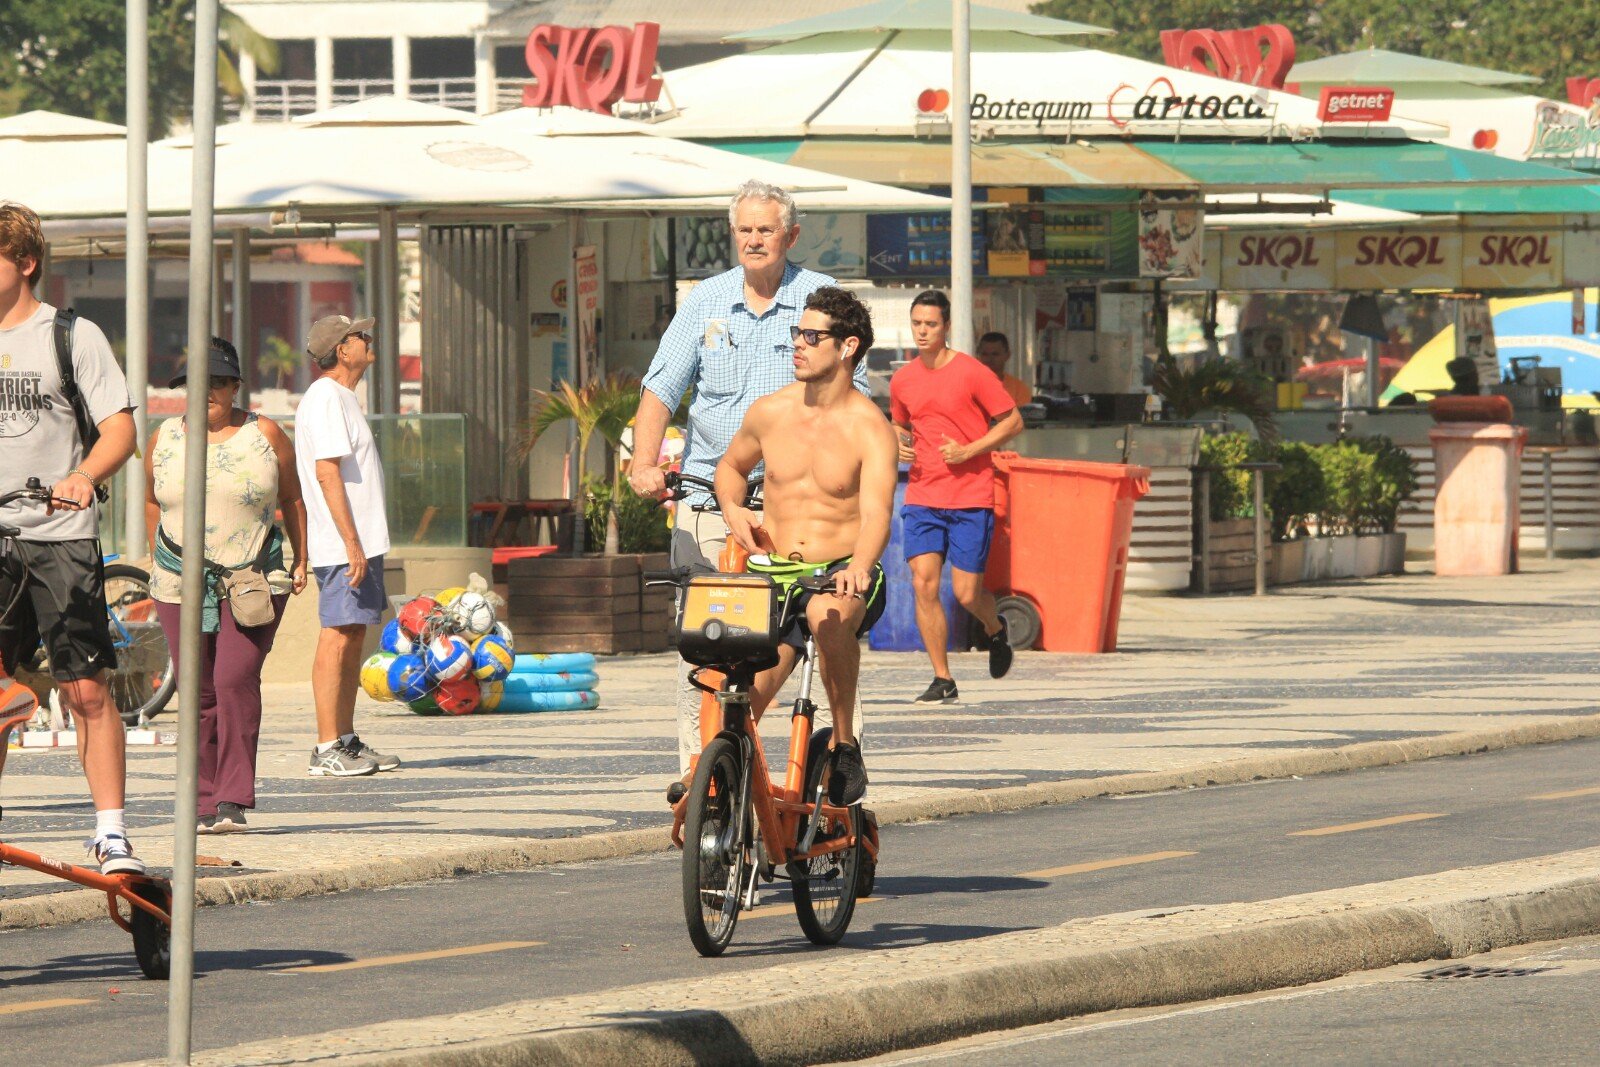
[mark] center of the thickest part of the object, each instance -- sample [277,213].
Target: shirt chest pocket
[719,368]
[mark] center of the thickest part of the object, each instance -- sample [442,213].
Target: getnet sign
[592,69]
[1355,104]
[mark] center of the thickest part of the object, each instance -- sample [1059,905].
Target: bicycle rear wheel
[825,886]
[152,938]
[716,861]
[144,680]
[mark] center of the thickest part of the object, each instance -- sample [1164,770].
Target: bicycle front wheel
[716,861]
[825,886]
[144,680]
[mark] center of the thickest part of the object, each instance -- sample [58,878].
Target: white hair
[756,189]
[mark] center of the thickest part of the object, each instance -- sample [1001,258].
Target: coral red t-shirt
[957,401]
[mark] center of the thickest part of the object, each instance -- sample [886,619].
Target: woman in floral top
[250,480]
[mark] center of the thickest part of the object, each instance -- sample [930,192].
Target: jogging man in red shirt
[950,412]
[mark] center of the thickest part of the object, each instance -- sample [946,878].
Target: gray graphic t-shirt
[38,436]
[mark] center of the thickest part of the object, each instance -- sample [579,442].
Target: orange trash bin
[1062,529]
[1477,506]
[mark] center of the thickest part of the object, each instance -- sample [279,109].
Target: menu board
[901,246]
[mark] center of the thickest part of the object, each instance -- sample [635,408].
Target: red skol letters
[1286,252]
[1411,250]
[570,66]
[1500,250]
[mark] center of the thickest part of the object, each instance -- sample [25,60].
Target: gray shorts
[340,605]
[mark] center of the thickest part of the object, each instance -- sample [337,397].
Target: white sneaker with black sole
[339,762]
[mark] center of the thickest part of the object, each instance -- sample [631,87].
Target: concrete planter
[1394,553]
[1288,562]
[1318,559]
[1342,557]
[1369,556]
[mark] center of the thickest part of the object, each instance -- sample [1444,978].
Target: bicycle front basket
[727,619]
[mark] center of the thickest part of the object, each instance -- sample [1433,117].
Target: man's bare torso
[814,456]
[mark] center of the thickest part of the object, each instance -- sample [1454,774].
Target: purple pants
[230,702]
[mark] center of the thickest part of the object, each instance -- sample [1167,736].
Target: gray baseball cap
[327,333]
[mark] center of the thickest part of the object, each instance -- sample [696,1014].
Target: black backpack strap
[88,432]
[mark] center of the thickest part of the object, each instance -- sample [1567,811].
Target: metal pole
[1203,510]
[1549,506]
[575,376]
[241,316]
[961,335]
[1259,477]
[1374,389]
[180,1011]
[136,292]
[387,312]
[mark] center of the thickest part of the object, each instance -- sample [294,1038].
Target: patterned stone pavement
[1197,681]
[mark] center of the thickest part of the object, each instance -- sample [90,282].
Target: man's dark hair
[847,317]
[995,337]
[934,298]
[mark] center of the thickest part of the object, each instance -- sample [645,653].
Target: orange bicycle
[737,824]
[149,899]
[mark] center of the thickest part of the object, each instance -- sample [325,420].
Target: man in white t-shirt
[347,535]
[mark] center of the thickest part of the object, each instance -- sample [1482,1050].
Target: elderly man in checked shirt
[730,342]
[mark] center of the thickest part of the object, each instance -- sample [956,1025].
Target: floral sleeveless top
[241,500]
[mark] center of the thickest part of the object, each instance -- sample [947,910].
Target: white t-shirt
[38,435]
[329,424]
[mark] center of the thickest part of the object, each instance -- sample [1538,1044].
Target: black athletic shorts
[62,603]
[785,572]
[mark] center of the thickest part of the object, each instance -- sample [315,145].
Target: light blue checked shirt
[732,357]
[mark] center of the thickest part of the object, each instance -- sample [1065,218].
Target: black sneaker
[940,691]
[228,820]
[847,784]
[206,824]
[1000,654]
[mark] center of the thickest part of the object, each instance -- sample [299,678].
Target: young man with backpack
[66,418]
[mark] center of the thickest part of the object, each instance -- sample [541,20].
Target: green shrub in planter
[1297,494]
[1389,482]
[1230,488]
[1347,477]
[641,524]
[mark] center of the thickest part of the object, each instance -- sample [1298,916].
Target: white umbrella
[38,147]
[343,166]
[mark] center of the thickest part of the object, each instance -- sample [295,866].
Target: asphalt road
[330,963]
[1528,1004]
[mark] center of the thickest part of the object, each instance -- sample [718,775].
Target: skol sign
[1261,55]
[592,69]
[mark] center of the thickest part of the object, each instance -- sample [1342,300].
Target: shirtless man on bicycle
[830,478]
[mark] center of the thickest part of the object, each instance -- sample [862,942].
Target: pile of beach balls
[442,654]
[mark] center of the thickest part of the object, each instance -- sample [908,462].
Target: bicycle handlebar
[33,491]
[677,480]
[680,576]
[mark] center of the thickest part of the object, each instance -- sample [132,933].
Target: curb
[906,999]
[84,905]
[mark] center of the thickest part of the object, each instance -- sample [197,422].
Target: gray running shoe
[115,855]
[229,819]
[358,747]
[339,762]
[939,691]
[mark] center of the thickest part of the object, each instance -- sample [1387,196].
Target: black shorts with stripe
[54,592]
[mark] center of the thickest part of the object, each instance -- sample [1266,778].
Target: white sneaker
[115,855]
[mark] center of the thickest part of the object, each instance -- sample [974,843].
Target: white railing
[460,93]
[285,99]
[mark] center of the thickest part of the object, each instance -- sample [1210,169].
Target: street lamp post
[137,282]
[180,1006]
[961,326]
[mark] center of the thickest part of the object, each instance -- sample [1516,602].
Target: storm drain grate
[1461,970]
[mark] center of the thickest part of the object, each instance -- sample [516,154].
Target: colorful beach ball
[394,640]
[446,596]
[375,676]
[449,657]
[492,658]
[413,618]
[489,694]
[458,696]
[408,677]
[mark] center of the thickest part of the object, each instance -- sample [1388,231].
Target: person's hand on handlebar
[648,480]
[853,581]
[72,493]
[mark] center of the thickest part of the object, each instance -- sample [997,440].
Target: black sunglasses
[811,336]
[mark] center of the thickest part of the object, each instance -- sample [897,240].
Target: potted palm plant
[602,407]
